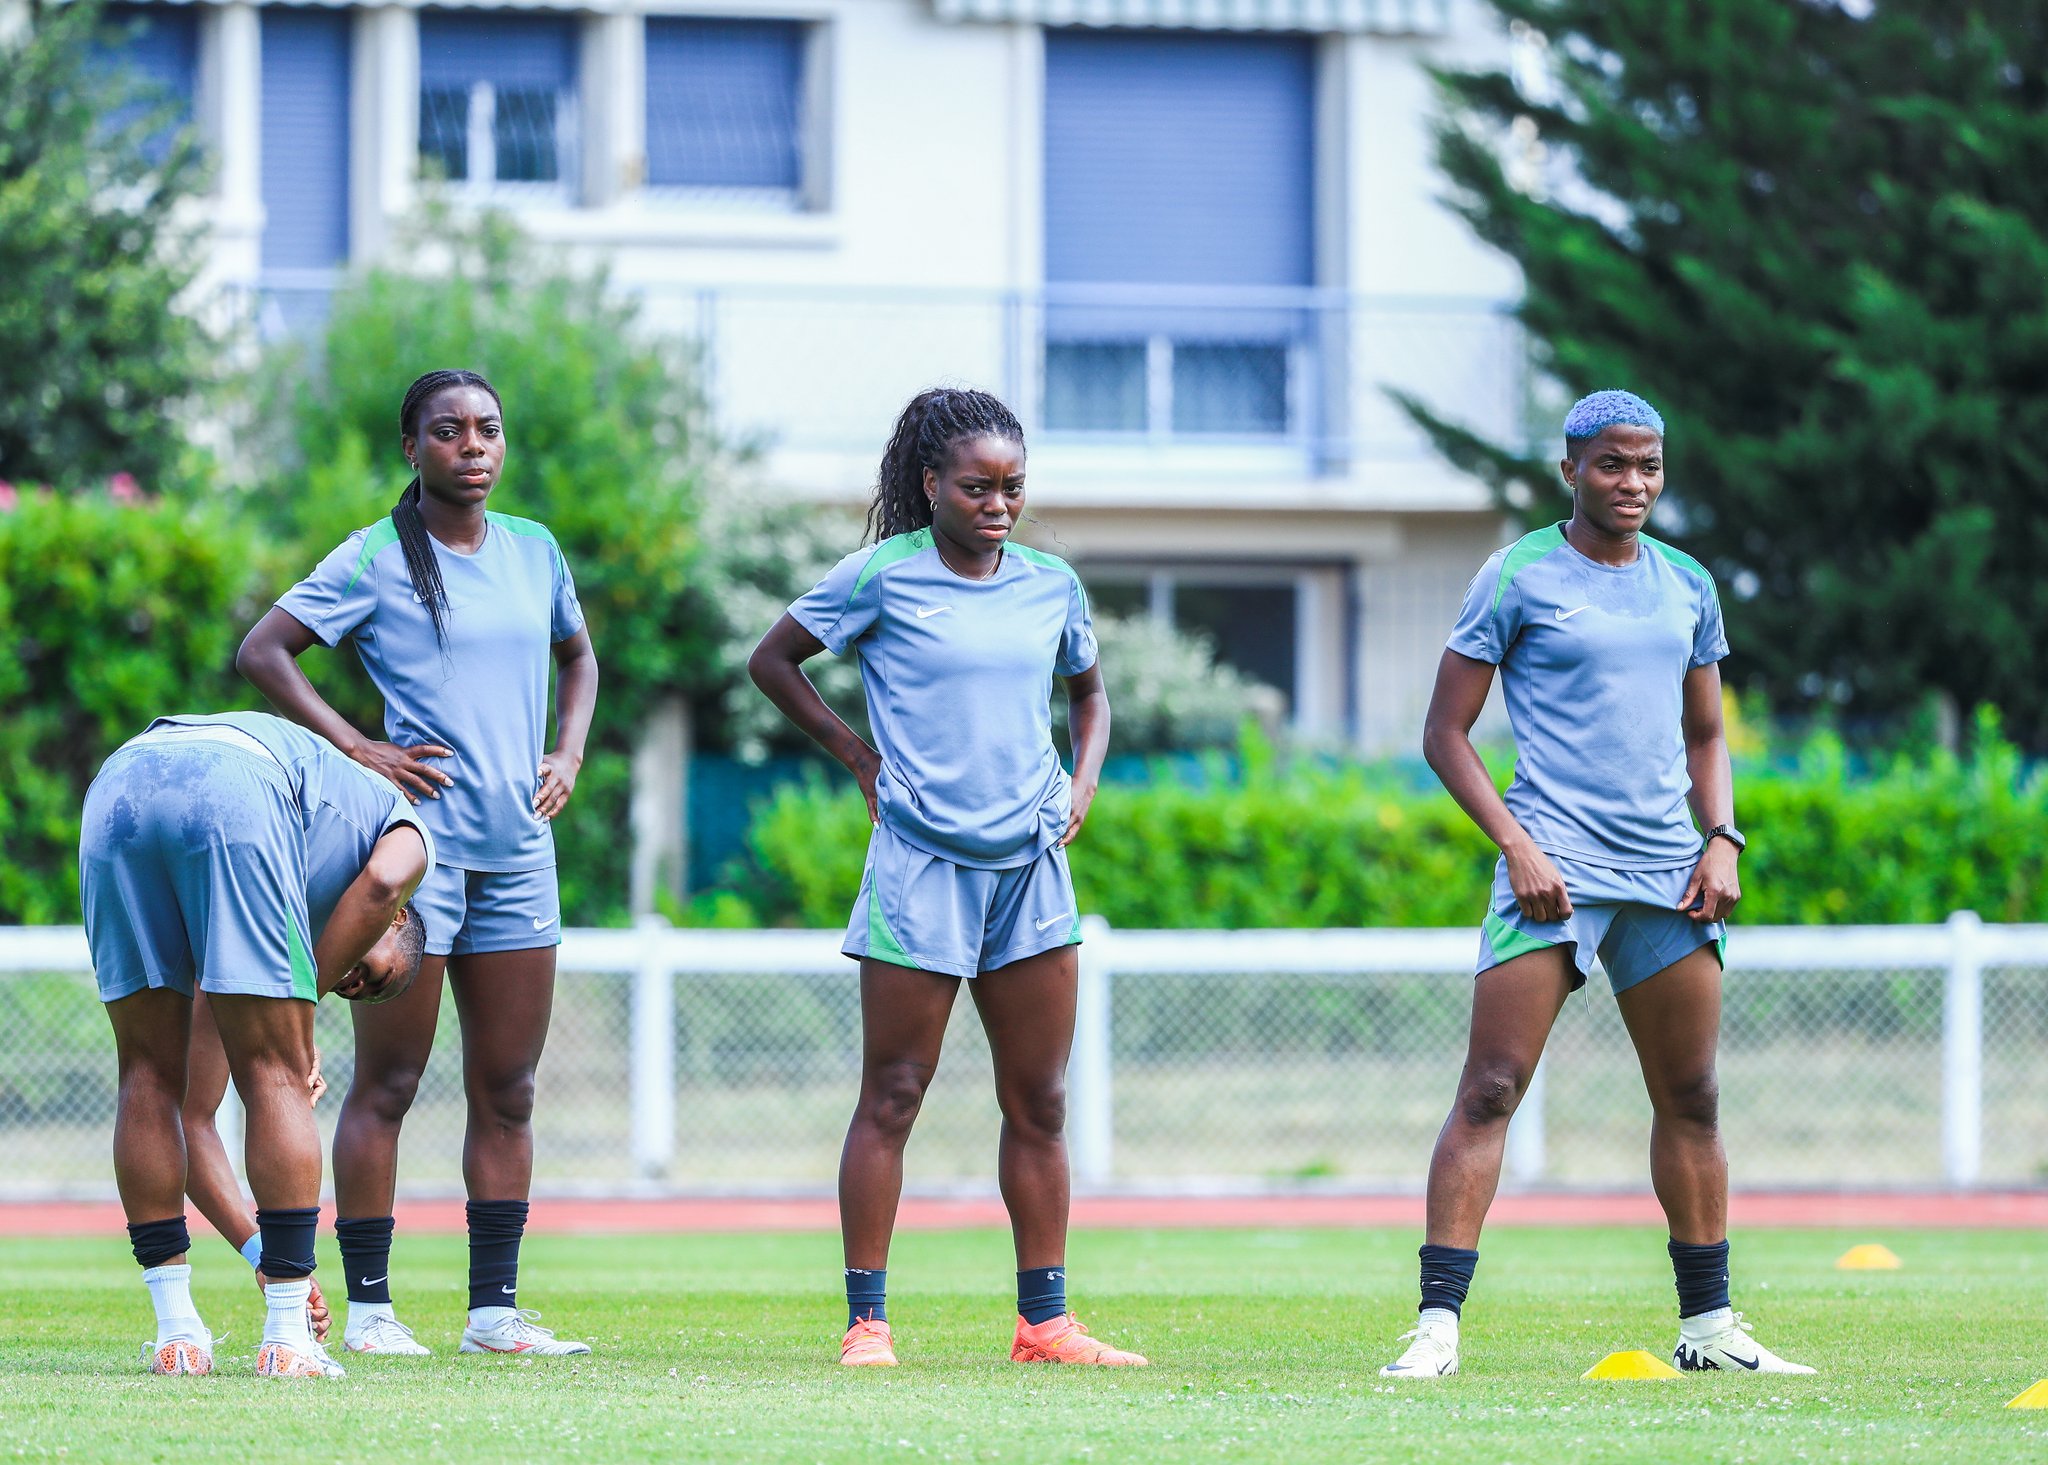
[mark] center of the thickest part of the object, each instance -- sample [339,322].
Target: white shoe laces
[378,1329]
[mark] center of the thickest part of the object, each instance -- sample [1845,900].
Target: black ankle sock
[495,1229]
[366,1256]
[867,1296]
[1447,1277]
[1041,1293]
[288,1234]
[1702,1276]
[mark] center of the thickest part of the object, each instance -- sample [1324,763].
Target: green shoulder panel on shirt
[1679,558]
[888,552]
[527,528]
[1527,550]
[1050,562]
[379,537]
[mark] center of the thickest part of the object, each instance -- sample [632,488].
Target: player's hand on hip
[1714,888]
[867,769]
[1077,813]
[404,768]
[557,781]
[1539,888]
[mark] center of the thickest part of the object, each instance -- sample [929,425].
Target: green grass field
[1265,1346]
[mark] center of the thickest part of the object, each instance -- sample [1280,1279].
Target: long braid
[421,565]
[925,432]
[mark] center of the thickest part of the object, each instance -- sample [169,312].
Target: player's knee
[1490,1092]
[507,1098]
[146,1081]
[892,1096]
[1694,1098]
[387,1093]
[1039,1110]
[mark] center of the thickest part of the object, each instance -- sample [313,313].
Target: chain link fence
[708,1061]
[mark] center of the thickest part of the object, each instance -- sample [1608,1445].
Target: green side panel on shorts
[1721,949]
[379,537]
[305,986]
[1679,558]
[896,547]
[1528,549]
[1507,942]
[1050,562]
[1074,936]
[882,942]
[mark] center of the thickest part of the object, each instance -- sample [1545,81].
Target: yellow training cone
[1634,1364]
[1869,1257]
[2034,1398]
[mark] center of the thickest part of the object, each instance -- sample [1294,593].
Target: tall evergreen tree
[1816,235]
[97,243]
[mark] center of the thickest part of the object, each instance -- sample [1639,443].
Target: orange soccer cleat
[179,1356]
[867,1343]
[1065,1340]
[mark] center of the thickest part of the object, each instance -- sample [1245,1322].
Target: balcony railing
[1281,381]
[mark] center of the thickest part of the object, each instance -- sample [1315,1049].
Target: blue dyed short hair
[1597,411]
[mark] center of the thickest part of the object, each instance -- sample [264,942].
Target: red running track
[576,1215]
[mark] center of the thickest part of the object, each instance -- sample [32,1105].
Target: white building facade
[1192,242]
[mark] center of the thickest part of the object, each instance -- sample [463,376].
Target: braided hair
[420,564]
[933,421]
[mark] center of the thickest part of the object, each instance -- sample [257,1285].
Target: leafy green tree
[98,242]
[1816,236]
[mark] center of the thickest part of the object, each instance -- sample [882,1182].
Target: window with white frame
[155,48]
[726,108]
[1251,614]
[498,101]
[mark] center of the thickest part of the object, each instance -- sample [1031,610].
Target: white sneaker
[180,1356]
[1433,1354]
[518,1333]
[306,1360]
[382,1333]
[1723,1342]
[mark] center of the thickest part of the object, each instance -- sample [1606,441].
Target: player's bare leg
[1513,1008]
[903,1016]
[269,1046]
[151,1029]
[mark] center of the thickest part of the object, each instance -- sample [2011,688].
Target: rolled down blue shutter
[724,103]
[462,47]
[157,45]
[305,137]
[1181,160]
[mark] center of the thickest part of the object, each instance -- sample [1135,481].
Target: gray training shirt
[1593,660]
[345,808]
[958,676]
[483,695]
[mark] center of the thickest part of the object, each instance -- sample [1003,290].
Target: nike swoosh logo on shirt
[926,612]
[1565,615]
[1050,919]
[540,925]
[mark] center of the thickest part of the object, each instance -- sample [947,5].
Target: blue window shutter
[1178,160]
[305,137]
[158,47]
[459,48]
[724,103]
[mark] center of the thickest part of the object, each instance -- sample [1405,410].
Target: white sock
[285,1318]
[483,1319]
[1705,1324]
[1439,1320]
[170,1292]
[361,1314]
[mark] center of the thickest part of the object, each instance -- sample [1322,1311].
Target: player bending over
[212,849]
[1608,645]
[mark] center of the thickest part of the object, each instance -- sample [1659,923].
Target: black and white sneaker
[1433,1354]
[1720,1340]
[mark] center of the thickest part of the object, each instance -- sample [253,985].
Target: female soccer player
[1608,644]
[456,612]
[959,635]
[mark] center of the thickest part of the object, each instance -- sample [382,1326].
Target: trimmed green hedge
[1363,845]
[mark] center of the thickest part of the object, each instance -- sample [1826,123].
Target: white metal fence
[721,1060]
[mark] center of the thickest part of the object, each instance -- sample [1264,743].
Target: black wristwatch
[1728,832]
